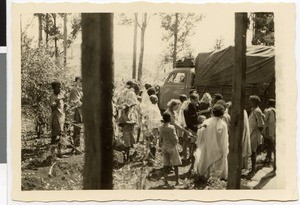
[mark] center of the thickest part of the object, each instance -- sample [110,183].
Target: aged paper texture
[285,67]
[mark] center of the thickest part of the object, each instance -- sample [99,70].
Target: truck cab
[179,81]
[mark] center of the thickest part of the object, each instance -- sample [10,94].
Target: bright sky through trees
[211,27]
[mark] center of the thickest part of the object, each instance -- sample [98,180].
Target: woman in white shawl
[246,143]
[212,146]
[145,111]
[145,99]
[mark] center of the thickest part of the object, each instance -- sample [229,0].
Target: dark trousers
[271,148]
[77,129]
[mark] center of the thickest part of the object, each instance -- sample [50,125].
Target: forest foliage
[263,28]
[38,70]
[42,64]
[178,28]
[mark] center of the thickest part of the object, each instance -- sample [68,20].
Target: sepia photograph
[149,100]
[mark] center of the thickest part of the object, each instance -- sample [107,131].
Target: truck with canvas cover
[213,73]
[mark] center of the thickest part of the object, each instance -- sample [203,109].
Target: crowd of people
[201,126]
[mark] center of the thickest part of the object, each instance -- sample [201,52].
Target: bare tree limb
[137,21]
[147,21]
[27,26]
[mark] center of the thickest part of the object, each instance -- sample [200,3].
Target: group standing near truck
[186,120]
[195,129]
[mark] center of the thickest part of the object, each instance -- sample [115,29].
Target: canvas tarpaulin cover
[216,68]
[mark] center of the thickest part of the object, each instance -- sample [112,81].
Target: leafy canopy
[263,25]
[38,70]
[184,28]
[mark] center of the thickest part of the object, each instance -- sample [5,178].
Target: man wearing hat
[256,124]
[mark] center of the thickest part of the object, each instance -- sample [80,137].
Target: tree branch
[144,20]
[27,26]
[184,22]
[147,21]
[137,21]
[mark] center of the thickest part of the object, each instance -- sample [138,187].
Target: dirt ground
[140,173]
[66,172]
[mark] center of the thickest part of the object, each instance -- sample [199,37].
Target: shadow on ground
[264,180]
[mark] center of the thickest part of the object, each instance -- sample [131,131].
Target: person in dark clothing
[185,138]
[136,88]
[216,98]
[147,86]
[191,113]
[191,118]
[183,98]
[151,91]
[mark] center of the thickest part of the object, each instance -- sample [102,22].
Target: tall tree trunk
[55,38]
[254,30]
[143,29]
[97,72]
[65,40]
[40,29]
[21,31]
[175,40]
[134,46]
[238,101]
[47,29]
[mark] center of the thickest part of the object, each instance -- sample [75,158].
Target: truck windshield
[176,78]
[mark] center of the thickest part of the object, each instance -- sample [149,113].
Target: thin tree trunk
[47,29]
[175,40]
[40,30]
[55,38]
[143,29]
[134,46]
[65,40]
[97,72]
[238,101]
